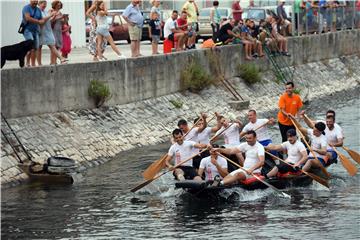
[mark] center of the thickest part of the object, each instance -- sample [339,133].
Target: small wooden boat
[203,189]
[57,170]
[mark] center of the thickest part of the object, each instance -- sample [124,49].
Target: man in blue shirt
[135,19]
[32,18]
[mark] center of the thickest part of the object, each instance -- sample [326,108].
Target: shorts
[135,33]
[233,173]
[333,154]
[189,172]
[102,30]
[224,38]
[155,38]
[29,35]
[320,159]
[171,37]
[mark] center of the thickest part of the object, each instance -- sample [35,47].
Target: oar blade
[348,165]
[154,168]
[318,179]
[142,185]
[354,155]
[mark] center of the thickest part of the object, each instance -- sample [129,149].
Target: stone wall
[91,137]
[26,92]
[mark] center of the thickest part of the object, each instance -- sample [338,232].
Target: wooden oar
[215,136]
[159,164]
[348,165]
[257,129]
[312,151]
[354,155]
[313,176]
[264,182]
[156,177]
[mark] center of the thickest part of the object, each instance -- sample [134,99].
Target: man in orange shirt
[289,104]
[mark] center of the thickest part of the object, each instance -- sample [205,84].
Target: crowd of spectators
[51,27]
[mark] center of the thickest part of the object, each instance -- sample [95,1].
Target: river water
[101,206]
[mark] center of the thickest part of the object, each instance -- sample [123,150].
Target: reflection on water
[101,206]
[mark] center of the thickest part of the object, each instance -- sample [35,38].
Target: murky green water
[101,206]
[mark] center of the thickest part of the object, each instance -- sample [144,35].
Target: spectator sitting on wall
[172,33]
[247,44]
[226,35]
[254,32]
[183,25]
[284,20]
[255,45]
[281,40]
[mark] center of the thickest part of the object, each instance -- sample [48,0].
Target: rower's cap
[291,133]
[321,127]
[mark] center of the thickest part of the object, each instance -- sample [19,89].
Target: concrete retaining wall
[48,89]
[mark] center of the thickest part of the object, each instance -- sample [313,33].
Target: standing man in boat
[333,133]
[289,105]
[254,159]
[318,144]
[180,151]
[296,154]
[213,166]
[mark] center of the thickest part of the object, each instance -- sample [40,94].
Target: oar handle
[266,183]
[263,125]
[311,150]
[217,135]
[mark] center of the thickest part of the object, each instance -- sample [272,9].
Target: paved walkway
[81,55]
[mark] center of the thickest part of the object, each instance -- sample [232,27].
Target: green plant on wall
[194,78]
[297,91]
[176,103]
[250,73]
[99,91]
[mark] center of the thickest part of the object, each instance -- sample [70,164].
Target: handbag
[21,29]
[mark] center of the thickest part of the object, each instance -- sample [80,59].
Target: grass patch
[194,78]
[176,103]
[99,91]
[250,73]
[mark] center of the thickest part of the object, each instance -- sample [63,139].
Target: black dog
[16,52]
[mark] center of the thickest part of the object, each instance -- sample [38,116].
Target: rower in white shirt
[254,159]
[296,154]
[213,166]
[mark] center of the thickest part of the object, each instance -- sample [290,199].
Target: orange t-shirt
[291,105]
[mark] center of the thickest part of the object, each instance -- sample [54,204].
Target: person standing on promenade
[135,19]
[237,11]
[192,18]
[31,19]
[56,24]
[66,31]
[289,105]
[47,36]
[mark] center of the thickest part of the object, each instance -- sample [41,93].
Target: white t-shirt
[169,25]
[204,136]
[261,133]
[316,143]
[252,154]
[182,152]
[337,126]
[231,135]
[192,135]
[332,136]
[210,169]
[293,151]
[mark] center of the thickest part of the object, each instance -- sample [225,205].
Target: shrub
[194,78]
[250,73]
[99,91]
[176,103]
[297,91]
